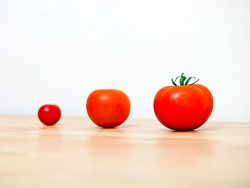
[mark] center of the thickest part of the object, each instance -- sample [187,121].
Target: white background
[58,51]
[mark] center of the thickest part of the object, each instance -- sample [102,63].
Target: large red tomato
[108,108]
[184,107]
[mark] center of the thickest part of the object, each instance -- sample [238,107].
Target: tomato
[184,107]
[108,108]
[49,114]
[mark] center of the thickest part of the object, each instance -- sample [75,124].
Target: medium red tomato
[49,114]
[184,107]
[108,108]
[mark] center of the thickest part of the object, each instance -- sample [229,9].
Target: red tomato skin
[108,108]
[49,114]
[183,108]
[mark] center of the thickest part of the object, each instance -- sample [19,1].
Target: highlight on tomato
[183,107]
[108,108]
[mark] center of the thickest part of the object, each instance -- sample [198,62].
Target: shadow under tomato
[184,149]
[50,139]
[107,142]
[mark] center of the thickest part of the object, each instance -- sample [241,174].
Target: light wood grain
[76,153]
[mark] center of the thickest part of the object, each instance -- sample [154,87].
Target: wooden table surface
[140,153]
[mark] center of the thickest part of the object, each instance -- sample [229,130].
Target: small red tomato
[49,114]
[108,108]
[184,107]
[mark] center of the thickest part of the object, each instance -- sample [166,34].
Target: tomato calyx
[183,80]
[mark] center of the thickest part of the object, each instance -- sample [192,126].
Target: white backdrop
[58,51]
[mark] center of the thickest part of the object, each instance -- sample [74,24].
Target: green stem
[183,80]
[173,82]
[186,83]
[194,82]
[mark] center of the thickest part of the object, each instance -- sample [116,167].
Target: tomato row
[180,107]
